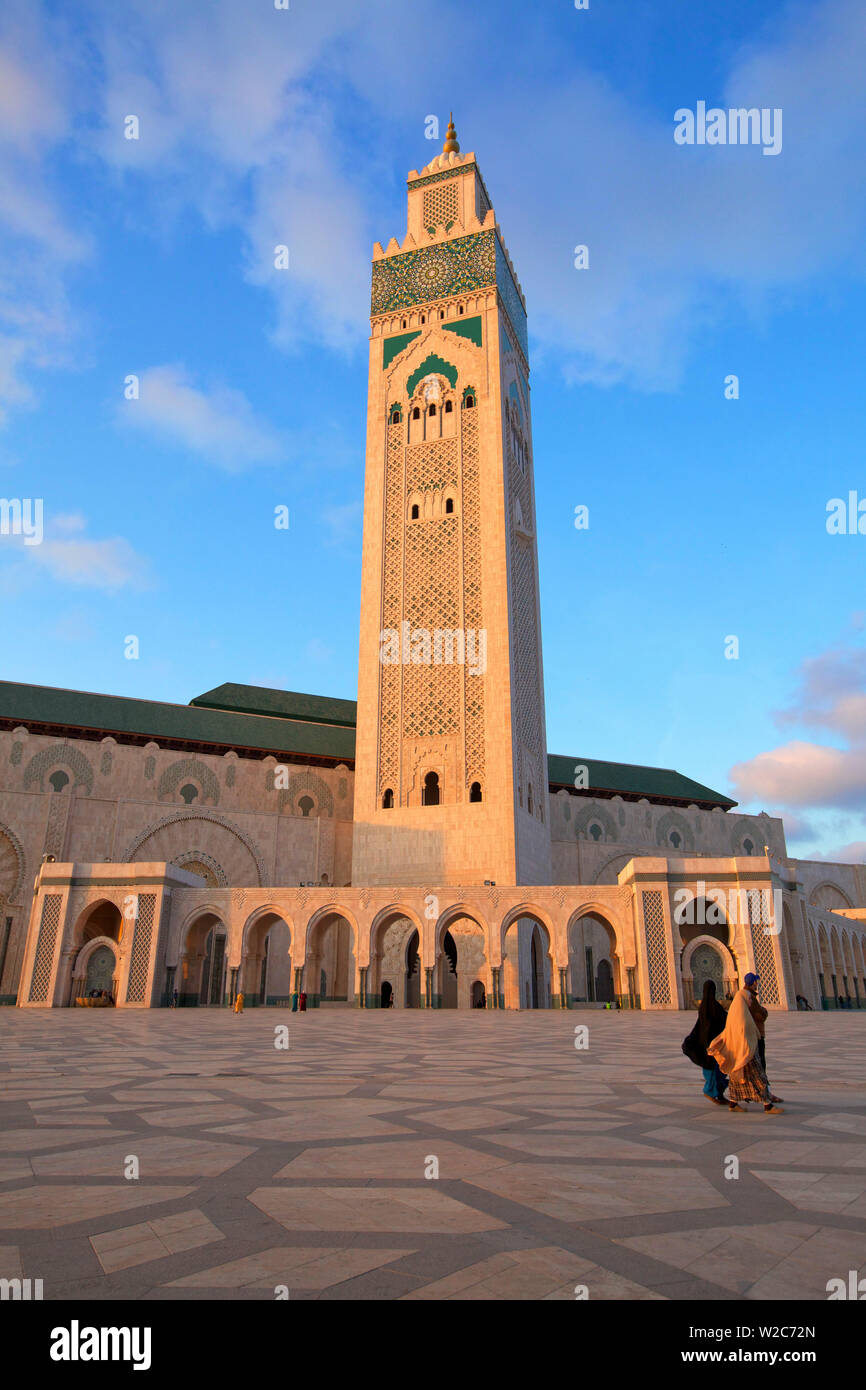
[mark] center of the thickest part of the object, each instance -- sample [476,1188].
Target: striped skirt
[750,1083]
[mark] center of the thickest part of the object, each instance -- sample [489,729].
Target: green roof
[282,704]
[630,780]
[114,714]
[253,718]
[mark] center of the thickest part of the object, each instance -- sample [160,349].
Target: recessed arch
[12,865]
[595,971]
[178,819]
[828,895]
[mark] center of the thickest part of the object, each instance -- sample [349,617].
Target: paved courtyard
[307,1167]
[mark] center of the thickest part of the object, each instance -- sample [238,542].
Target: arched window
[415,512]
[468,402]
[460,310]
[423,318]
[432,410]
[748,847]
[416,413]
[430,794]
[403,324]
[596,831]
[59,780]
[306,805]
[388,800]
[189,793]
[449,406]
[475,791]
[441,313]
[395,417]
[449,505]
[676,839]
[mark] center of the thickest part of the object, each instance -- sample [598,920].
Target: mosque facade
[420,848]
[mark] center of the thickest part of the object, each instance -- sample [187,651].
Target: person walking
[239,1004]
[711,1022]
[736,1051]
[760,1015]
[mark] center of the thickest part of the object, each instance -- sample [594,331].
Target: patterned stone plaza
[305,1168]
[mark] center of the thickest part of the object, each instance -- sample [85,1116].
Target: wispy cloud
[805,775]
[219,424]
[254,117]
[72,559]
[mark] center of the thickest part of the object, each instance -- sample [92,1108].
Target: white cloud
[72,559]
[109,564]
[802,773]
[220,424]
[255,117]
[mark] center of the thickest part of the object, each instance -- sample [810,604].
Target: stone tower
[451,759]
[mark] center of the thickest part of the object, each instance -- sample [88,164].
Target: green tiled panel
[467,328]
[434,272]
[392,347]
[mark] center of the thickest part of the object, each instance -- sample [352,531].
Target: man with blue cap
[760,1015]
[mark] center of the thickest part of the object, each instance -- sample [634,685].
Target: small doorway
[100,972]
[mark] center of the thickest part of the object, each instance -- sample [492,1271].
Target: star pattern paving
[310,1168]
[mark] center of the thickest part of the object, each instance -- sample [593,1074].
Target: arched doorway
[266,967]
[203,963]
[527,969]
[479,995]
[101,968]
[387,995]
[604,982]
[461,959]
[394,958]
[593,964]
[706,965]
[329,972]
[102,921]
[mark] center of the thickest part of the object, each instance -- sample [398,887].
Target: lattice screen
[473,691]
[656,946]
[431,595]
[432,580]
[139,968]
[762,944]
[44,962]
[440,204]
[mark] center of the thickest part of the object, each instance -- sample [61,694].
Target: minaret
[451,761]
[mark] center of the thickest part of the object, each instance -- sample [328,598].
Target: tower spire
[451,146]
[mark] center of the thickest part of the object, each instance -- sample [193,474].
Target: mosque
[420,849]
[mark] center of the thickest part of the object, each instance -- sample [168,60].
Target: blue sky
[259,127]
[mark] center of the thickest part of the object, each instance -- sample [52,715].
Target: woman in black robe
[711,1022]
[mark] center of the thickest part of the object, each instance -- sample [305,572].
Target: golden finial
[451,146]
